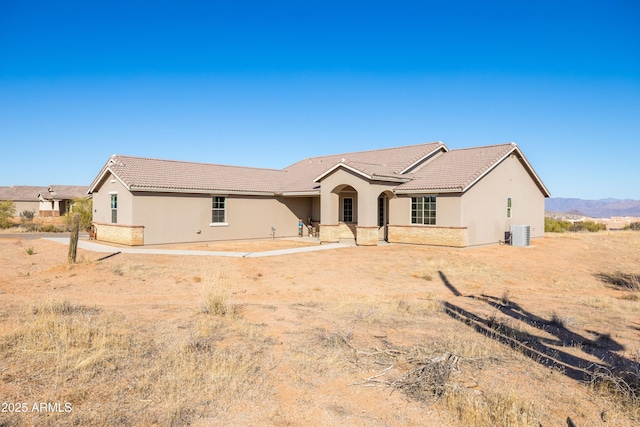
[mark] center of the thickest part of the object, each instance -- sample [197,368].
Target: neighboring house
[51,201]
[421,194]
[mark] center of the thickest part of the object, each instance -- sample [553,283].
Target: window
[423,210]
[114,208]
[347,209]
[218,210]
[509,207]
[381,211]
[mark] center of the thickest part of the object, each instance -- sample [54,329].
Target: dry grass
[80,350]
[495,409]
[216,297]
[621,387]
[159,340]
[381,310]
[624,281]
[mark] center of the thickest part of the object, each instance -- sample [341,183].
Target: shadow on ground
[544,350]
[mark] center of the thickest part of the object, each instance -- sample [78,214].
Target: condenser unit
[521,235]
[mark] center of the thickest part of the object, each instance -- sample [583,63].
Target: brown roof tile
[139,173]
[456,169]
[30,193]
[383,162]
[428,167]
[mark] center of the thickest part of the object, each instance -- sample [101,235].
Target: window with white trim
[114,208]
[423,210]
[508,207]
[218,210]
[347,209]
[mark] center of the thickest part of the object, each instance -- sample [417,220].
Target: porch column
[329,229]
[367,229]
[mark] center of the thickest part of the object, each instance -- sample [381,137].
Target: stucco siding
[484,205]
[447,210]
[173,218]
[22,206]
[102,202]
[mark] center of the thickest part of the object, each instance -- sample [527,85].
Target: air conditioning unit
[521,235]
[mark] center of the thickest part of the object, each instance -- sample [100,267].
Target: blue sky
[268,83]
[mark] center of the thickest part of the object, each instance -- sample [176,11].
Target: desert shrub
[216,298]
[7,210]
[622,386]
[84,208]
[587,226]
[624,281]
[552,225]
[27,216]
[50,228]
[635,226]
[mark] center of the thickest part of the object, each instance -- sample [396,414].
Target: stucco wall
[176,217]
[173,218]
[484,206]
[102,202]
[447,210]
[22,206]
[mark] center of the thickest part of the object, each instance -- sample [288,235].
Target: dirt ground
[320,338]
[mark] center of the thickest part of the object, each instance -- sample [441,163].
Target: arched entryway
[353,206]
[347,208]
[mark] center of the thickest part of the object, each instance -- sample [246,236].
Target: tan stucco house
[420,194]
[50,201]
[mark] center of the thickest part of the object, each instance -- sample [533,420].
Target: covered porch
[354,206]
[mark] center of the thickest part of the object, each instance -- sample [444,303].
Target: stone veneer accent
[367,236]
[132,235]
[329,233]
[347,230]
[428,235]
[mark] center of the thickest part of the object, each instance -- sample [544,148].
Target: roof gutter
[428,190]
[200,191]
[299,193]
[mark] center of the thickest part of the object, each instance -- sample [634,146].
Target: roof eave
[388,178]
[310,193]
[200,191]
[98,179]
[341,165]
[427,190]
[515,149]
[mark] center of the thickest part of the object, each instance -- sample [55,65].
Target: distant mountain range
[604,208]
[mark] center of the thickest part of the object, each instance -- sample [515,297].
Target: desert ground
[395,335]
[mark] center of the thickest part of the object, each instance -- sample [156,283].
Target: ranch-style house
[419,194]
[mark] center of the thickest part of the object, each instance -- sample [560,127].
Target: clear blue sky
[269,83]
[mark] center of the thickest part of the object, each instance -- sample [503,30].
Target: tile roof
[426,167]
[139,173]
[457,169]
[383,162]
[30,193]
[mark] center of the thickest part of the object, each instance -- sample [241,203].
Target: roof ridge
[486,146]
[370,151]
[115,156]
